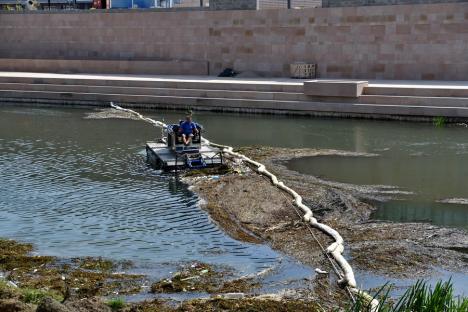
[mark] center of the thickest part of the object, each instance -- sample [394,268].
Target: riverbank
[30,282]
[263,213]
[249,209]
[345,98]
[238,192]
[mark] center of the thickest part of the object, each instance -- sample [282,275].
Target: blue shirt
[188,127]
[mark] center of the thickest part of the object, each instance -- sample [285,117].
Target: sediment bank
[31,283]
[260,212]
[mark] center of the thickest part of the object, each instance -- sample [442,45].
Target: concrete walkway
[213,79]
[155,78]
[380,99]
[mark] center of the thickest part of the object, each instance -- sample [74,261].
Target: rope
[346,278]
[333,264]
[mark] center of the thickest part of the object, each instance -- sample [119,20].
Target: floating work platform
[160,156]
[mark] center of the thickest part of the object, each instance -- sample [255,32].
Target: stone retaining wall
[342,3]
[391,42]
[89,66]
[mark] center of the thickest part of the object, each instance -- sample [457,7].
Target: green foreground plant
[116,303]
[418,298]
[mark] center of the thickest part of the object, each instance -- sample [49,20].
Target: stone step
[227,94]
[199,93]
[205,83]
[414,100]
[243,105]
[420,91]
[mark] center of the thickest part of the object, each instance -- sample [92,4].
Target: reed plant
[420,297]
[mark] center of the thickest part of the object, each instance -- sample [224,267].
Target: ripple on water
[72,200]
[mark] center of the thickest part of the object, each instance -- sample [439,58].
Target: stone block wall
[372,42]
[347,3]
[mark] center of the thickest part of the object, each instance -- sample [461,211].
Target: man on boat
[188,129]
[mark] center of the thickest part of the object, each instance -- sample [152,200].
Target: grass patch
[440,121]
[116,304]
[420,297]
[35,296]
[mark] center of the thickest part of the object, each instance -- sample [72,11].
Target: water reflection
[436,213]
[77,187]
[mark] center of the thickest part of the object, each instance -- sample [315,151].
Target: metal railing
[288,4]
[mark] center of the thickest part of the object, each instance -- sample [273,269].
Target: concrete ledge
[335,88]
[136,67]
[158,81]
[215,104]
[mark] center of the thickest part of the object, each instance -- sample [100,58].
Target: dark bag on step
[228,72]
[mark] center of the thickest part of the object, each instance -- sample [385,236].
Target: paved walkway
[214,79]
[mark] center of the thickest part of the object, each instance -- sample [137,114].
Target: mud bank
[250,208]
[36,283]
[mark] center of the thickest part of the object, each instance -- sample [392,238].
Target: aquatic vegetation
[12,248]
[239,285]
[37,277]
[99,264]
[116,303]
[7,291]
[250,305]
[196,277]
[420,297]
[203,277]
[439,121]
[240,305]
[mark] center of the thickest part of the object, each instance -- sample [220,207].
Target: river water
[80,187]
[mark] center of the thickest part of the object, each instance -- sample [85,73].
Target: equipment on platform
[170,153]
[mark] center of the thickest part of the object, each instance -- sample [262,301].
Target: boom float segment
[335,249]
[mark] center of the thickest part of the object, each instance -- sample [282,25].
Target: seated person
[187,129]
